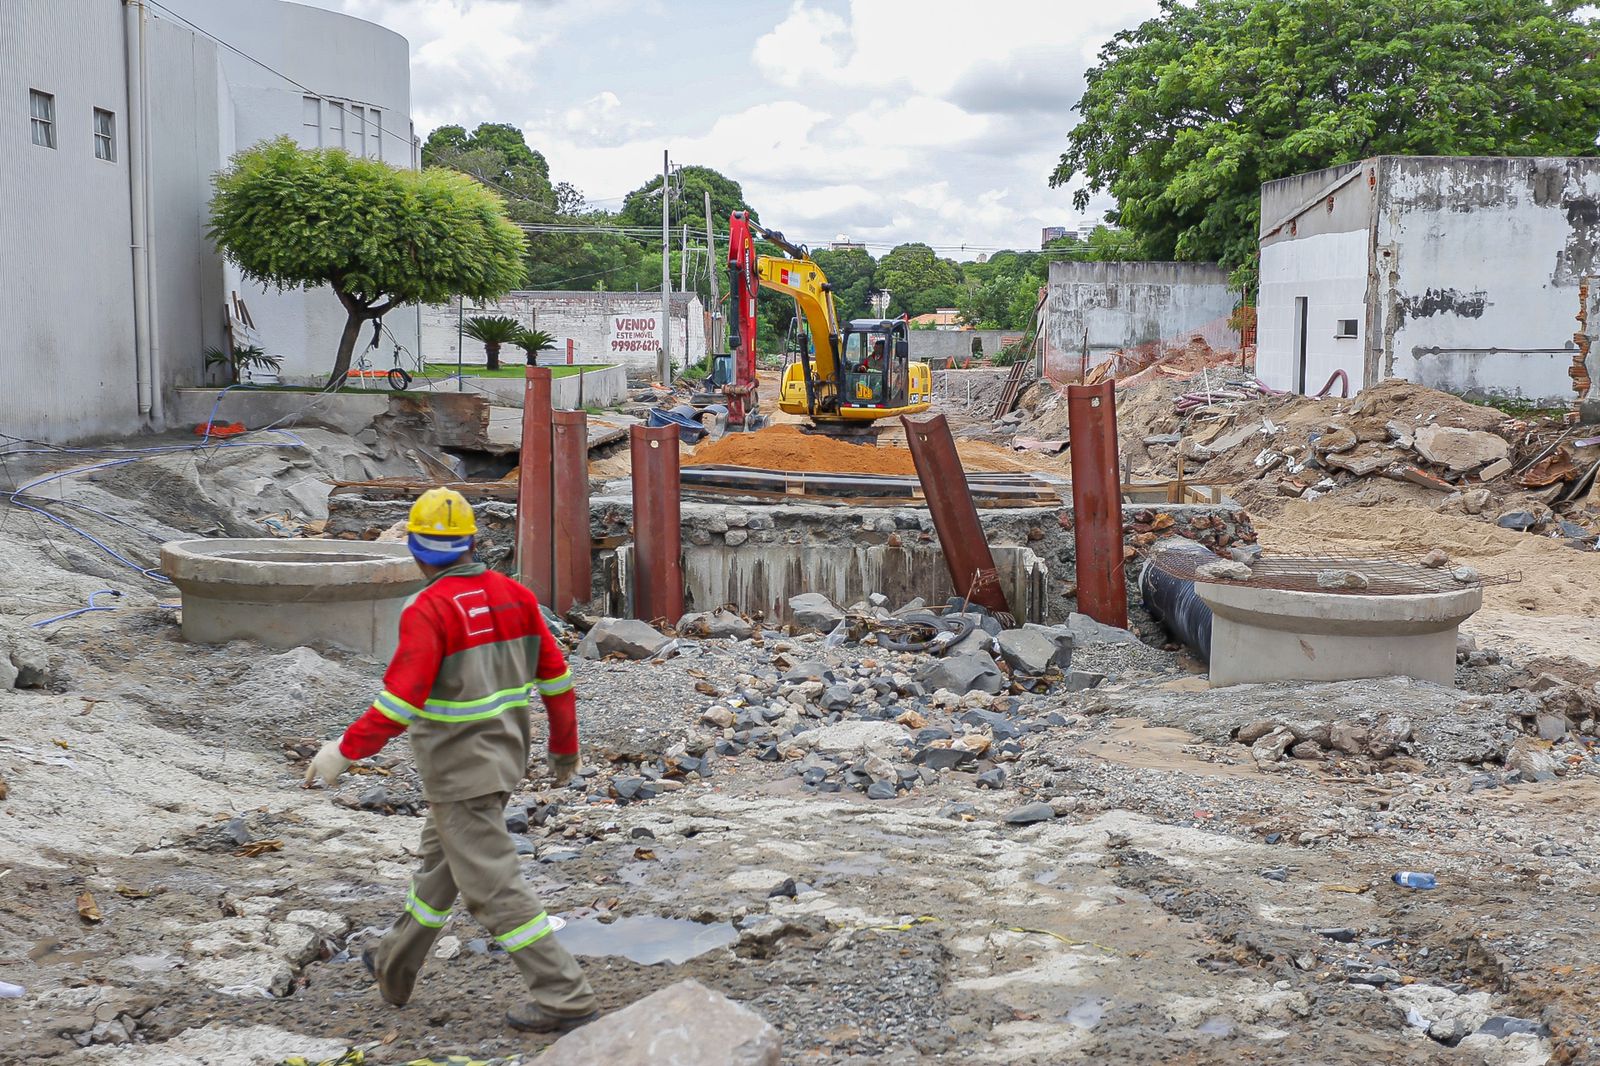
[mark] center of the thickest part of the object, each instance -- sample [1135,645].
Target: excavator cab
[875,354]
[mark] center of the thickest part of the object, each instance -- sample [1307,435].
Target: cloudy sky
[887,120]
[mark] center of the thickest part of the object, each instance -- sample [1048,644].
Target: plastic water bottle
[10,991]
[1412,879]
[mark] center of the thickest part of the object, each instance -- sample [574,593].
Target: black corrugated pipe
[1172,602]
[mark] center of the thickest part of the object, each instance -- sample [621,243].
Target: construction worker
[473,649]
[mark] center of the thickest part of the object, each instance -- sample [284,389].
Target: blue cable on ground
[93,606]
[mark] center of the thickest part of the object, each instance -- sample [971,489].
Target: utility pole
[664,358]
[714,341]
[683,260]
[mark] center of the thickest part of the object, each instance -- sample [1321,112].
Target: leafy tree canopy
[1187,114]
[918,280]
[642,206]
[379,237]
[850,271]
[496,154]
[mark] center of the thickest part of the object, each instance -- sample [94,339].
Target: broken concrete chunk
[1086,630]
[1224,570]
[1271,747]
[629,637]
[1460,450]
[1251,732]
[1078,680]
[1306,749]
[1391,731]
[1341,579]
[1336,438]
[686,1024]
[1475,500]
[815,612]
[1531,759]
[961,674]
[1498,468]
[720,624]
[1364,461]
[1347,738]
[1029,651]
[1060,636]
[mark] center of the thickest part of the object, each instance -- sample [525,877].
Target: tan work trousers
[466,849]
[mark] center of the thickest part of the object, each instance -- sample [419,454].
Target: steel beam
[657,531]
[535,489]
[1097,503]
[955,517]
[571,456]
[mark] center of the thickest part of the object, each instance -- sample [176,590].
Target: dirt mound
[786,448]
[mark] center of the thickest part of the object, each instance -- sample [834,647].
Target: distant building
[113,291]
[946,318]
[1463,274]
[1055,233]
[843,243]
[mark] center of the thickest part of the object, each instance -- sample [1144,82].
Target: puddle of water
[1218,1026]
[645,939]
[51,950]
[1087,1014]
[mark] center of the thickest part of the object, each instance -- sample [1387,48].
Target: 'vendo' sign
[633,333]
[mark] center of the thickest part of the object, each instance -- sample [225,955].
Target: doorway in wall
[1301,307]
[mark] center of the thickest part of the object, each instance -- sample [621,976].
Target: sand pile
[784,447]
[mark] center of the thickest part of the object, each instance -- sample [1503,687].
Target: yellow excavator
[846,376]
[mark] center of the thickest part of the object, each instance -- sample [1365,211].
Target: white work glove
[562,767]
[328,764]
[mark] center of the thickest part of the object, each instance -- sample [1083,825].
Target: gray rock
[976,642]
[957,810]
[1224,570]
[1306,749]
[31,659]
[1436,559]
[1465,574]
[1347,738]
[1551,726]
[1391,731]
[1078,680]
[1251,732]
[815,612]
[961,674]
[1501,1026]
[630,637]
[686,1024]
[719,624]
[1341,579]
[1061,636]
[1029,813]
[995,778]
[1029,651]
[1448,1031]
[944,758]
[1532,762]
[1518,520]
[1086,630]
[810,670]
[881,790]
[837,698]
[1475,500]
[1271,747]
[1459,450]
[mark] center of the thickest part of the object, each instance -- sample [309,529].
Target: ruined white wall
[1125,305]
[1330,271]
[1479,262]
[1315,244]
[578,317]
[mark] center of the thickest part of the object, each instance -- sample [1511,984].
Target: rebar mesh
[1397,574]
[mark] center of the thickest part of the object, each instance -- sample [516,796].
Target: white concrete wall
[348,62]
[66,302]
[66,273]
[1330,271]
[1480,288]
[578,317]
[1125,305]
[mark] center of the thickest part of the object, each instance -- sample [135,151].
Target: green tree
[850,272]
[1187,114]
[532,342]
[492,331]
[496,154]
[379,237]
[642,206]
[918,280]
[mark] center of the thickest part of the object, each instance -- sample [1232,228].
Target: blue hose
[93,606]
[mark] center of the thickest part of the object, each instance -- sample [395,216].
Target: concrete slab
[1265,634]
[293,593]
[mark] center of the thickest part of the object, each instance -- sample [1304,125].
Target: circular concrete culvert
[293,593]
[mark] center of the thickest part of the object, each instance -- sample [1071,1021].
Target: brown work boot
[532,1018]
[394,988]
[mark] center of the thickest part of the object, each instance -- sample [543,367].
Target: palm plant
[493,331]
[243,357]
[532,342]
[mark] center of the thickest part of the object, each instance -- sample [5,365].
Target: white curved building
[113,117]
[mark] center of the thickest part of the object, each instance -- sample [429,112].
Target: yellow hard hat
[442,513]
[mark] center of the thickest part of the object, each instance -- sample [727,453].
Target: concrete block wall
[579,318]
[944,345]
[1119,306]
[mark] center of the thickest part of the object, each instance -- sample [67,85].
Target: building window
[1347,328]
[310,122]
[335,124]
[42,108]
[105,135]
[358,130]
[375,131]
